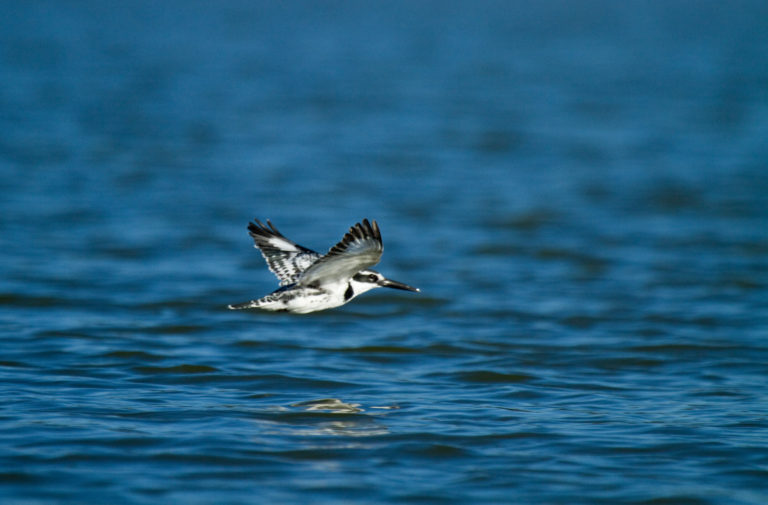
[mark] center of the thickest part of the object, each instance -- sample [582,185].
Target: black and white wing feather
[360,248]
[286,259]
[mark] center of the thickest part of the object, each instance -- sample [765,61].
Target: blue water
[580,190]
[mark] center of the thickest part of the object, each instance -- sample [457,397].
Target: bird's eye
[372,278]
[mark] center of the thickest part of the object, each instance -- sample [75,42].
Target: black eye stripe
[372,278]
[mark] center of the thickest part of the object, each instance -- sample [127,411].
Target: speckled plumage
[286,259]
[310,281]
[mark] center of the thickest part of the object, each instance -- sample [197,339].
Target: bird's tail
[247,305]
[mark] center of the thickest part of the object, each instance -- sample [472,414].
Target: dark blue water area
[580,190]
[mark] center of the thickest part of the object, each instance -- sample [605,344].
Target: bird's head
[365,280]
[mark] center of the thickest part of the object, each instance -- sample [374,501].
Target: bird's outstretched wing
[360,248]
[286,259]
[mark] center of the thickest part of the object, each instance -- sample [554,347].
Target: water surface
[580,192]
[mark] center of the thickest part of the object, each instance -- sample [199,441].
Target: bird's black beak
[386,283]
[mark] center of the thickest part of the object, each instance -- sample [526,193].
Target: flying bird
[310,281]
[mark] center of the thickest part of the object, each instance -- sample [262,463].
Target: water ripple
[579,193]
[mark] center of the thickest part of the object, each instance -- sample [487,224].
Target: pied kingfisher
[310,281]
